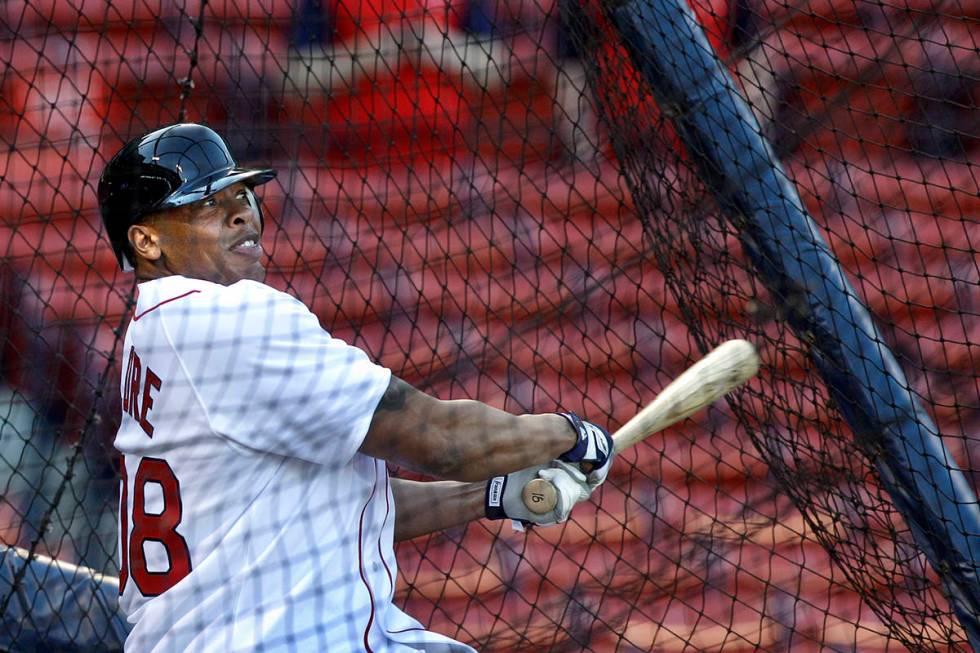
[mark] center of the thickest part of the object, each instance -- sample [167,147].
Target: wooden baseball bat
[724,368]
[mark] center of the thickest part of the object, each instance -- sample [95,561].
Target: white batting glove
[504,500]
[598,476]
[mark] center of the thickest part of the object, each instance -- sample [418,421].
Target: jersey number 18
[152,527]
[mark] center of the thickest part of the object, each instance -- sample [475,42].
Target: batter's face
[216,239]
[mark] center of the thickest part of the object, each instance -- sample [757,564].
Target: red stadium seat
[281,11]
[68,295]
[235,58]
[29,241]
[73,289]
[95,15]
[893,295]
[816,14]
[822,62]
[405,107]
[873,122]
[45,181]
[337,293]
[398,193]
[942,340]
[903,8]
[447,572]
[297,245]
[50,89]
[578,193]
[373,17]
[863,83]
[689,452]
[946,190]
[142,72]
[558,349]
[406,113]
[715,17]
[755,568]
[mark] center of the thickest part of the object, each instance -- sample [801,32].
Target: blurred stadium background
[450,199]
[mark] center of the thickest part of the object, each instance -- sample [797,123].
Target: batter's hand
[593,452]
[504,501]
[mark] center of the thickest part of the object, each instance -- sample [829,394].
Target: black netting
[486,198]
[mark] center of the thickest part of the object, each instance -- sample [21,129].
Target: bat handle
[540,496]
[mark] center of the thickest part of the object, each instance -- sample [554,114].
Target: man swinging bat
[256,510]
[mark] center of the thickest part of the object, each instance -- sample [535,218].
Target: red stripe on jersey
[360,560]
[406,630]
[166,301]
[391,581]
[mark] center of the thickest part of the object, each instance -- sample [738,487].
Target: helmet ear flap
[253,201]
[127,265]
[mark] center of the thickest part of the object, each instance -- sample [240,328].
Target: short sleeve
[270,378]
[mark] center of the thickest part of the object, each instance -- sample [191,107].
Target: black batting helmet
[166,168]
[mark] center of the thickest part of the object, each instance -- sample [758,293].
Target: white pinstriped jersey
[249,521]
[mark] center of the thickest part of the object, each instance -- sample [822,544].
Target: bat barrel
[723,369]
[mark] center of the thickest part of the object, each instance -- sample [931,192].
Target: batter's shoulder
[254,301]
[197,303]
[210,316]
[257,293]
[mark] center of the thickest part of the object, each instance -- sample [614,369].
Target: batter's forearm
[461,440]
[492,442]
[423,508]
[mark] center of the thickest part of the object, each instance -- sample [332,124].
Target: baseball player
[256,510]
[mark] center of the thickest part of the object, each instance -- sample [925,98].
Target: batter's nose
[244,214]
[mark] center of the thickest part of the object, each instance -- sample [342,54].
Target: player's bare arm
[427,507]
[461,440]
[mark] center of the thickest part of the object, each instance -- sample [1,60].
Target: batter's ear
[145,241]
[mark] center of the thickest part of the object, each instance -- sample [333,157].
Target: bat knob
[540,496]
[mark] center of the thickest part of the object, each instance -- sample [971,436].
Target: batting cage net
[509,201]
